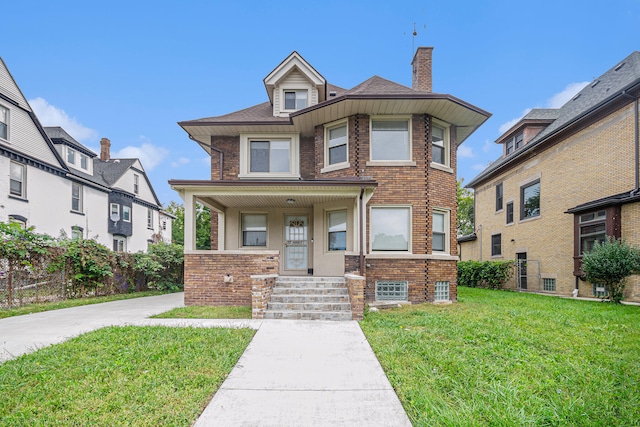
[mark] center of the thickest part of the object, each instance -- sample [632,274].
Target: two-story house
[567,178]
[61,188]
[324,181]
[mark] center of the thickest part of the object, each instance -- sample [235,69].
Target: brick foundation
[355,285]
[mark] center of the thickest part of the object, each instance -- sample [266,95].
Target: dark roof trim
[76,147]
[47,140]
[618,199]
[14,155]
[146,204]
[83,181]
[569,125]
[467,238]
[11,101]
[274,183]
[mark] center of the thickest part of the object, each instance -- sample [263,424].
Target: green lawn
[504,359]
[37,308]
[207,312]
[120,376]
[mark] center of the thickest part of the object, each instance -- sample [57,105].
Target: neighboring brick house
[567,178]
[325,181]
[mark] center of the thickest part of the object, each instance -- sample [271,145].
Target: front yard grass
[207,312]
[506,358]
[120,376]
[76,302]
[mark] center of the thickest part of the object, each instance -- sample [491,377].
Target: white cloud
[507,125]
[488,146]
[181,161]
[149,154]
[464,151]
[561,98]
[50,115]
[478,167]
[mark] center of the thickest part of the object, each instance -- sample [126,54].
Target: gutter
[636,190]
[214,149]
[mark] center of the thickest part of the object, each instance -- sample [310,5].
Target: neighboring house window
[115,212]
[515,142]
[76,232]
[150,218]
[499,197]
[4,123]
[295,99]
[530,200]
[17,180]
[336,151]
[440,143]
[549,285]
[273,156]
[440,227]
[164,224]
[119,244]
[254,230]
[76,197]
[136,184]
[441,291]
[126,213]
[337,229]
[390,140]
[18,219]
[509,146]
[390,228]
[71,156]
[83,161]
[510,213]
[496,245]
[519,140]
[592,228]
[392,290]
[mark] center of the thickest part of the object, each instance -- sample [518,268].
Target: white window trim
[447,231]
[8,123]
[241,240]
[294,156]
[149,219]
[336,166]
[446,166]
[409,243]
[405,162]
[24,180]
[111,205]
[293,88]
[124,242]
[326,228]
[136,183]
[69,152]
[80,198]
[123,208]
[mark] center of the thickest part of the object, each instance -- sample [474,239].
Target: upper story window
[499,196]
[592,228]
[4,123]
[76,197]
[126,213]
[440,143]
[150,218]
[390,139]
[336,144]
[514,143]
[83,161]
[274,156]
[295,99]
[18,180]
[136,184]
[530,200]
[390,228]
[509,212]
[71,156]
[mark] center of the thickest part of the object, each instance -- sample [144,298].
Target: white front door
[295,242]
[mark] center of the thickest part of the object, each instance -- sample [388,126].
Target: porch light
[291,201]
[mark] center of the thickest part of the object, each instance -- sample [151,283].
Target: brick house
[322,181]
[567,178]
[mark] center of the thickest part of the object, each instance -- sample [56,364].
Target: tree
[610,263]
[203,225]
[465,209]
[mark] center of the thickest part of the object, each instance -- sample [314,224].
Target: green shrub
[162,266]
[610,263]
[486,274]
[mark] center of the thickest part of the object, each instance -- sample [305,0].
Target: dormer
[294,85]
[527,128]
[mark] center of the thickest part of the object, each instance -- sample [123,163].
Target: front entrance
[296,247]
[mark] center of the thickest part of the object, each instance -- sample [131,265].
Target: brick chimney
[421,65]
[105,152]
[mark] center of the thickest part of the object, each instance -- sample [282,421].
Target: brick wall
[355,285]
[204,278]
[230,147]
[261,289]
[631,234]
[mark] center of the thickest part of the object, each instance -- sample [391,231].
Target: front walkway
[293,373]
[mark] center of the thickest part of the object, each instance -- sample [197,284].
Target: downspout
[636,112]
[361,233]
[214,149]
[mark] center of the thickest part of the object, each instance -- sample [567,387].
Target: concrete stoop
[309,298]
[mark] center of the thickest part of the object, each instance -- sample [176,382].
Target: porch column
[189,222]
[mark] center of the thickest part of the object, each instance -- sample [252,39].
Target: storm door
[295,242]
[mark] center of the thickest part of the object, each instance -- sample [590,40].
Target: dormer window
[71,156]
[83,161]
[295,99]
[514,143]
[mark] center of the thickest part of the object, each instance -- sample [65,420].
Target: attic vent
[116,161]
[594,84]
[620,65]
[332,93]
[577,96]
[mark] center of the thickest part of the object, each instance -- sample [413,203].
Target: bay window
[390,140]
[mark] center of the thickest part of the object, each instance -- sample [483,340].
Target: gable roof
[292,62]
[604,90]
[60,136]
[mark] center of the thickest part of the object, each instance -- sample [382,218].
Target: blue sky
[129,70]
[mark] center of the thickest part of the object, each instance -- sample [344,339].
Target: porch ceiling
[270,201]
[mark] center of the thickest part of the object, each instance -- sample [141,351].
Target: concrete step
[307,298]
[309,306]
[309,279]
[308,315]
[310,291]
[308,284]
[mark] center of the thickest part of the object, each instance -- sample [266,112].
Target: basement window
[441,291]
[549,285]
[392,290]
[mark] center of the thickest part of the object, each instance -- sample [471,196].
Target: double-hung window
[440,227]
[440,143]
[509,212]
[115,212]
[76,197]
[530,200]
[71,156]
[119,244]
[136,184]
[499,196]
[150,218]
[4,123]
[126,213]
[17,179]
[254,230]
[496,245]
[592,228]
[295,99]
[83,161]
[337,230]
[390,140]
[390,228]
[336,151]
